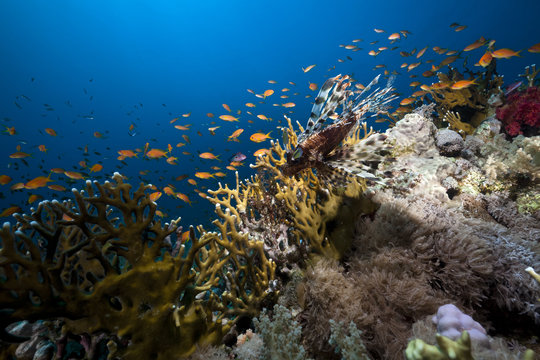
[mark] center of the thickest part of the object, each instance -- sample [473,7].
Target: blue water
[104,65]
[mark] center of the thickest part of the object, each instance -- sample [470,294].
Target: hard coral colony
[419,242]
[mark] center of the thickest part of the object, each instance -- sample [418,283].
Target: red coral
[521,113]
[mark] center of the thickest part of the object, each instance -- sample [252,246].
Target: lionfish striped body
[318,146]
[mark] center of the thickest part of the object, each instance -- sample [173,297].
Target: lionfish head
[296,160]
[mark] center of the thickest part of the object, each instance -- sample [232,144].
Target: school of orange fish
[486,52]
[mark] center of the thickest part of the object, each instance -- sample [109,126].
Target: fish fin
[363,158]
[317,109]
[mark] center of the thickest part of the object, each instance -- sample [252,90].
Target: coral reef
[425,247]
[105,265]
[521,112]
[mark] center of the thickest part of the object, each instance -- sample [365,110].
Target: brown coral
[106,265]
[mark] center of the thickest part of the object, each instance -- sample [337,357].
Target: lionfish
[319,146]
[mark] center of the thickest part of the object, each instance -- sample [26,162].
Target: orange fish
[226,107]
[10,211]
[183,197]
[228,118]
[259,137]
[42,148]
[155,196]
[56,187]
[156,153]
[192,182]
[37,182]
[460,28]
[421,52]
[17,186]
[394,36]
[504,53]
[407,101]
[210,115]
[250,104]
[33,197]
[50,131]
[187,115]
[229,167]
[220,174]
[235,134]
[173,120]
[185,236]
[19,155]
[378,30]
[204,175]
[313,86]
[262,117]
[213,129]
[534,49]
[288,105]
[74,175]
[82,163]
[462,84]
[448,60]
[57,170]
[412,66]
[168,191]
[172,160]
[475,45]
[209,156]
[268,93]
[261,152]
[98,135]
[4,179]
[127,153]
[305,70]
[11,130]
[485,60]
[96,168]
[182,127]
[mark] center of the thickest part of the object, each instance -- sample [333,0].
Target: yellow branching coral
[314,213]
[454,119]
[105,265]
[471,102]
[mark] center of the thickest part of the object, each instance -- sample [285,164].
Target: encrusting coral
[105,265]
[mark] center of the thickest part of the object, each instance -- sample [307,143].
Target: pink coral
[521,113]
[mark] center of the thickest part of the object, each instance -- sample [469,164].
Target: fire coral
[104,265]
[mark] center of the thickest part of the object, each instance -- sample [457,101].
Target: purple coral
[451,322]
[521,113]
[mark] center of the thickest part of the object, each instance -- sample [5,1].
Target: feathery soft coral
[521,113]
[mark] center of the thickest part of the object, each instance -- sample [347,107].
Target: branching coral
[295,215]
[106,265]
[471,102]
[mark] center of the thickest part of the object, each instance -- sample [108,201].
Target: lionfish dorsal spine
[315,116]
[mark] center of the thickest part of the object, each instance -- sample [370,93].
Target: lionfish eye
[297,153]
